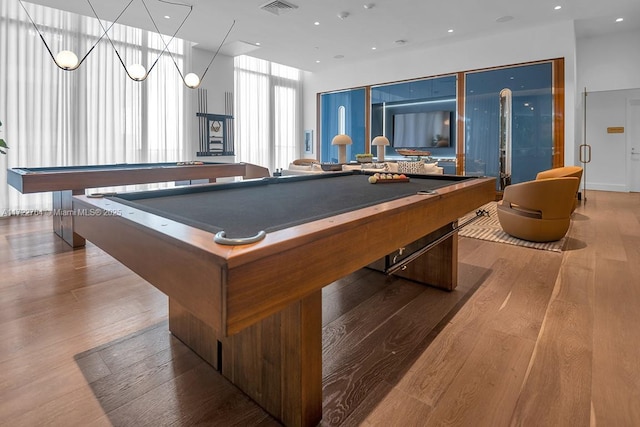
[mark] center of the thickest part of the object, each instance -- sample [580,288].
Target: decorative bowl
[331,167]
[364,158]
[410,152]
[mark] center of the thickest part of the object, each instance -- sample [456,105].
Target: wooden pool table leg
[277,362]
[63,218]
[438,267]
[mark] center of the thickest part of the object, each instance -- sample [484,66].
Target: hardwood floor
[529,338]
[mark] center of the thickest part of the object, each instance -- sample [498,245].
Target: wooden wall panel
[558,112]
[460,134]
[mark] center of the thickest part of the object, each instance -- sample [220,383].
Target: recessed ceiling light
[317,61]
[505,18]
[619,19]
[316,23]
[167,17]
[257,43]
[526,104]
[450,30]
[374,48]
[558,7]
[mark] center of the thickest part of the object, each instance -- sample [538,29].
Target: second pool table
[66,181]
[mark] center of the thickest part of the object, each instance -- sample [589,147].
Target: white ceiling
[291,38]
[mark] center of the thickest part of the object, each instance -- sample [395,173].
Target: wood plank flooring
[529,338]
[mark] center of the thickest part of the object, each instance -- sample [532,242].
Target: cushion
[381,166]
[411,167]
[392,167]
[299,167]
[351,167]
[431,168]
[316,167]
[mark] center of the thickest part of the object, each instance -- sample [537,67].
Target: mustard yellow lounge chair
[563,172]
[540,210]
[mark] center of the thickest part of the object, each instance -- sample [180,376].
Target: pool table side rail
[249,283]
[303,259]
[26,181]
[168,255]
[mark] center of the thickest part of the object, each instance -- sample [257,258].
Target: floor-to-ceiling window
[93,115]
[267,112]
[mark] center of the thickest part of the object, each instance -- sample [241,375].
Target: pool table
[254,310]
[65,181]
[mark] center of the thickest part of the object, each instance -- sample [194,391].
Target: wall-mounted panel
[418,114]
[342,112]
[531,120]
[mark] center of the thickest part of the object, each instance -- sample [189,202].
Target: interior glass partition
[529,106]
[417,115]
[505,122]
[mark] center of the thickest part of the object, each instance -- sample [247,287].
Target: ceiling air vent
[278,7]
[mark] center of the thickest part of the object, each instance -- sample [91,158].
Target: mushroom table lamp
[381,142]
[342,141]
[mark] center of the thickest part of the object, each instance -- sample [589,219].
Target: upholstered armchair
[564,172]
[540,210]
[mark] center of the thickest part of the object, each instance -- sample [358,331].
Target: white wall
[609,62]
[547,42]
[609,69]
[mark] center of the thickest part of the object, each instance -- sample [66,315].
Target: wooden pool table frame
[254,312]
[68,182]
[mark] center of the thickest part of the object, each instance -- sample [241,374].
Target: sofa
[412,167]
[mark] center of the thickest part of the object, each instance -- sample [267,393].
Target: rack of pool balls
[387,178]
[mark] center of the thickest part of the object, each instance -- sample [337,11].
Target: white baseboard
[606,187]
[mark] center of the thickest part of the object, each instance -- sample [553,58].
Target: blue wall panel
[532,120]
[434,94]
[354,103]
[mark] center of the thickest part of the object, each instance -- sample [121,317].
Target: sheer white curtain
[267,112]
[94,115]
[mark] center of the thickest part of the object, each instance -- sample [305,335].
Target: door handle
[585,153]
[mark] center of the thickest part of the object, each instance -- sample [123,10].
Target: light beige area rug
[488,228]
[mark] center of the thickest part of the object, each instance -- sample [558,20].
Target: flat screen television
[423,129]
